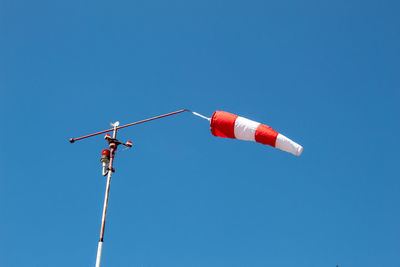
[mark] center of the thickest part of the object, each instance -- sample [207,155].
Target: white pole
[99,250]
[103,220]
[113,146]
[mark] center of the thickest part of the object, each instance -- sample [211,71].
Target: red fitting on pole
[105,156]
[128,143]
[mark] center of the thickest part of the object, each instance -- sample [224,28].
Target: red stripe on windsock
[266,135]
[223,124]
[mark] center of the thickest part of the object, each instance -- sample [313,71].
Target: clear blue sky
[324,74]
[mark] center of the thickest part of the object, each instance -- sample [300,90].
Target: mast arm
[72,140]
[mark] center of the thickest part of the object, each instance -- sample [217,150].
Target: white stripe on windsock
[245,129]
[285,144]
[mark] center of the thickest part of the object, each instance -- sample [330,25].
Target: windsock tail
[285,144]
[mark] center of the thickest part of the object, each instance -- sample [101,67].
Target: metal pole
[113,144]
[103,219]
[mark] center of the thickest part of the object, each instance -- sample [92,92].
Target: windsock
[224,124]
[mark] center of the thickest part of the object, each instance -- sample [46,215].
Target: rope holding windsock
[224,124]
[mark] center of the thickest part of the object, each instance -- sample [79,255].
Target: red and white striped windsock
[224,124]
